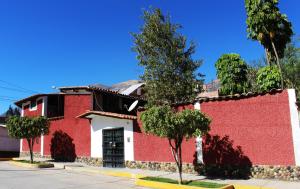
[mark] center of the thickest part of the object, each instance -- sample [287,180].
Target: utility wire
[7,99]
[15,89]
[18,86]
[1,96]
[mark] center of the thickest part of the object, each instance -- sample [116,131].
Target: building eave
[20,102]
[91,114]
[93,88]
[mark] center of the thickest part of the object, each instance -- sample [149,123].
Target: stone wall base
[160,166]
[87,160]
[287,173]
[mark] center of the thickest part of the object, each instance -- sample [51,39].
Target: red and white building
[264,126]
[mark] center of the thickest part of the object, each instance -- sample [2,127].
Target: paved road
[12,177]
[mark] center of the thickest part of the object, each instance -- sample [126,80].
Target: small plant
[268,78]
[62,147]
[29,128]
[165,122]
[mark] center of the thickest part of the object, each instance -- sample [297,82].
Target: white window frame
[32,108]
[36,104]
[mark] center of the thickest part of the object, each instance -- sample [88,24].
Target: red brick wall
[31,113]
[260,125]
[152,148]
[37,112]
[76,128]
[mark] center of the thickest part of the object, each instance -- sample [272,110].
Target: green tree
[163,121]
[291,67]
[267,25]
[268,78]
[12,111]
[170,72]
[232,73]
[253,68]
[29,128]
[170,76]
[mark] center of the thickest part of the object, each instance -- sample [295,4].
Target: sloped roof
[19,102]
[114,92]
[107,114]
[132,88]
[118,87]
[121,89]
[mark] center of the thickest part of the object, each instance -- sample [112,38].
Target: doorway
[113,147]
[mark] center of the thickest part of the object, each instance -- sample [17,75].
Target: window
[33,105]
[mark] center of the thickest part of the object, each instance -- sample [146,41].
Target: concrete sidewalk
[272,184]
[256,183]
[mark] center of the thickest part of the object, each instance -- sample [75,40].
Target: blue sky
[46,43]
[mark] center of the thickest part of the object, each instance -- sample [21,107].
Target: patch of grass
[205,184]
[34,162]
[188,183]
[160,179]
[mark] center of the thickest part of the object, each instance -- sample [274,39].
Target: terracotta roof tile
[230,97]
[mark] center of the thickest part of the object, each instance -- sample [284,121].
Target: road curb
[151,184]
[104,172]
[161,185]
[237,186]
[5,159]
[28,165]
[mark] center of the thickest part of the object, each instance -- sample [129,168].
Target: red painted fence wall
[251,128]
[152,148]
[260,125]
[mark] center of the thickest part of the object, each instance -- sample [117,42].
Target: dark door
[113,147]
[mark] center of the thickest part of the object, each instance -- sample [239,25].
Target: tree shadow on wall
[222,159]
[62,147]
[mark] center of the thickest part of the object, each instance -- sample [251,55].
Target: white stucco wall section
[295,124]
[198,139]
[98,123]
[44,113]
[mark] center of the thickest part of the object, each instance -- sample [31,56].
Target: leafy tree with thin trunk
[271,28]
[170,72]
[232,72]
[28,128]
[170,77]
[164,121]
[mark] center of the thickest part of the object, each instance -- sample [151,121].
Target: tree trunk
[30,145]
[278,63]
[180,164]
[268,61]
[176,152]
